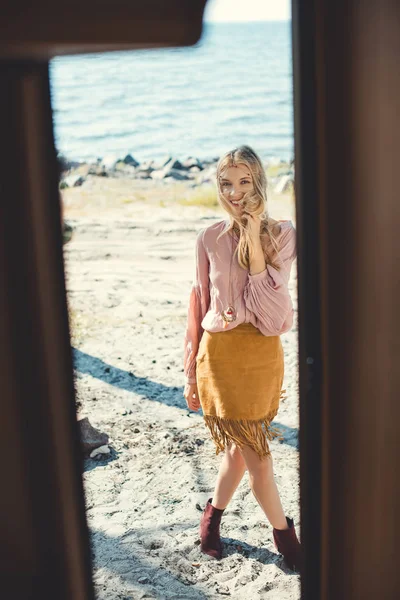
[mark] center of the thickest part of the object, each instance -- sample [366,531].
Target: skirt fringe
[244,432]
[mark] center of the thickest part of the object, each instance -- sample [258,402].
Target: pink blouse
[262,299]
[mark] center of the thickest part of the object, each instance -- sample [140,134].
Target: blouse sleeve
[199,302]
[266,294]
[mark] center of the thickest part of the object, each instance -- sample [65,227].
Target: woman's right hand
[191,395]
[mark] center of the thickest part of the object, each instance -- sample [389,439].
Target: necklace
[229,313]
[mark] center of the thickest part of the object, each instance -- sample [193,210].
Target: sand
[129,269]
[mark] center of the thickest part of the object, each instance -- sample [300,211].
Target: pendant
[229,314]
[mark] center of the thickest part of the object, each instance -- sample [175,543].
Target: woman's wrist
[257,262]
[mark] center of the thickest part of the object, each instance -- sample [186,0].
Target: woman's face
[235,182]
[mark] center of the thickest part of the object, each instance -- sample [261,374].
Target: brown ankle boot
[209,530]
[288,545]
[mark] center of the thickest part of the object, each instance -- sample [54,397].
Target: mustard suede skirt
[239,376]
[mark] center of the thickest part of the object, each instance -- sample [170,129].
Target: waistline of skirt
[245,327]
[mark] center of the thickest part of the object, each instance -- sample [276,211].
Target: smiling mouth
[235,202]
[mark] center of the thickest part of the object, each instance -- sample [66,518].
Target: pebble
[101,450]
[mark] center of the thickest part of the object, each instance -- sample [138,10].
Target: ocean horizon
[233,87]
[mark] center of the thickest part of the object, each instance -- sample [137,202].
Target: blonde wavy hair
[255,203]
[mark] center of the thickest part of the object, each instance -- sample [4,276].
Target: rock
[72,181]
[191,162]
[125,169]
[129,160]
[173,163]
[159,174]
[223,590]
[287,172]
[142,175]
[284,183]
[83,170]
[101,450]
[179,175]
[143,579]
[172,173]
[164,162]
[91,437]
[67,232]
[98,170]
[146,166]
[109,161]
[208,175]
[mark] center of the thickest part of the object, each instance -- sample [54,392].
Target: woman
[233,357]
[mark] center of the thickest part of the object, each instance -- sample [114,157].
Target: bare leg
[263,486]
[230,474]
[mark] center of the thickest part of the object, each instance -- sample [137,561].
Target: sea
[233,87]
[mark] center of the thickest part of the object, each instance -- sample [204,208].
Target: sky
[247,10]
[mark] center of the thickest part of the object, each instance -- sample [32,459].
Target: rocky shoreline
[170,169]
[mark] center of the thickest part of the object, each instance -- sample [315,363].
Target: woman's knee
[234,454]
[259,468]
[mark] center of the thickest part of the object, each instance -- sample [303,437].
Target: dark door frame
[346,80]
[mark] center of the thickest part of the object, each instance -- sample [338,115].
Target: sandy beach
[129,269]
